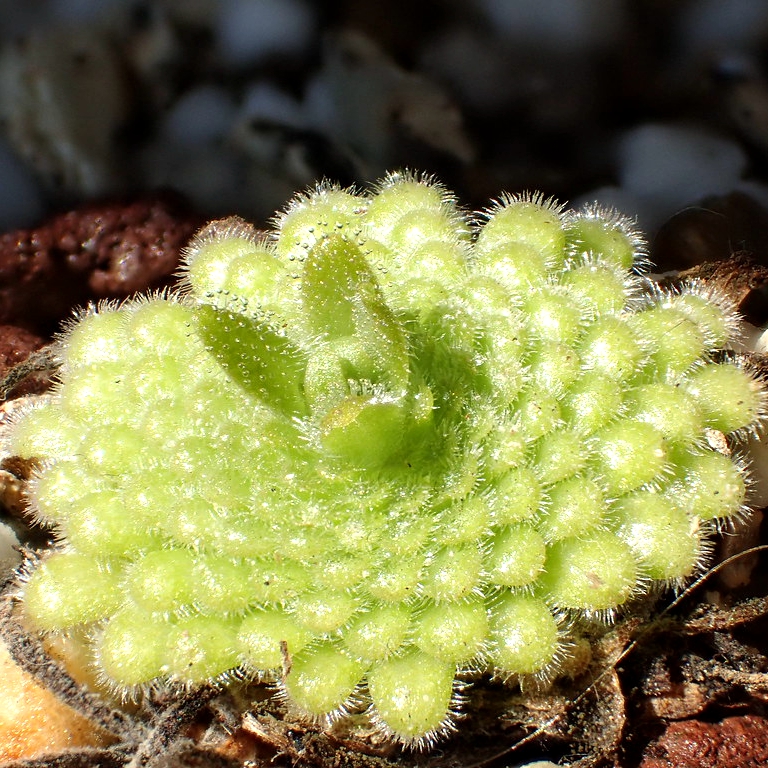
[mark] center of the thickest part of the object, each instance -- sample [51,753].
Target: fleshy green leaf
[256,355]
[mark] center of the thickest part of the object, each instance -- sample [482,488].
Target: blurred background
[654,106]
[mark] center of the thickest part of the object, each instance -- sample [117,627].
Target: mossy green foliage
[379,447]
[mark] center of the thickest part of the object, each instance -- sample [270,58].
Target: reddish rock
[736,742]
[108,250]
[16,344]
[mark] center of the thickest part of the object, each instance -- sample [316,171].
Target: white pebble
[21,200]
[558,25]
[723,24]
[208,176]
[265,101]
[757,190]
[249,31]
[760,345]
[320,104]
[81,11]
[10,556]
[202,115]
[63,98]
[475,67]
[674,166]
[543,764]
[757,450]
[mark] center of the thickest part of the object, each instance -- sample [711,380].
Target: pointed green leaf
[364,430]
[257,356]
[342,299]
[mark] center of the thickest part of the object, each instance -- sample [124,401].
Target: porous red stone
[108,250]
[735,742]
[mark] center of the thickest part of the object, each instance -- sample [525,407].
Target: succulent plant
[383,446]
